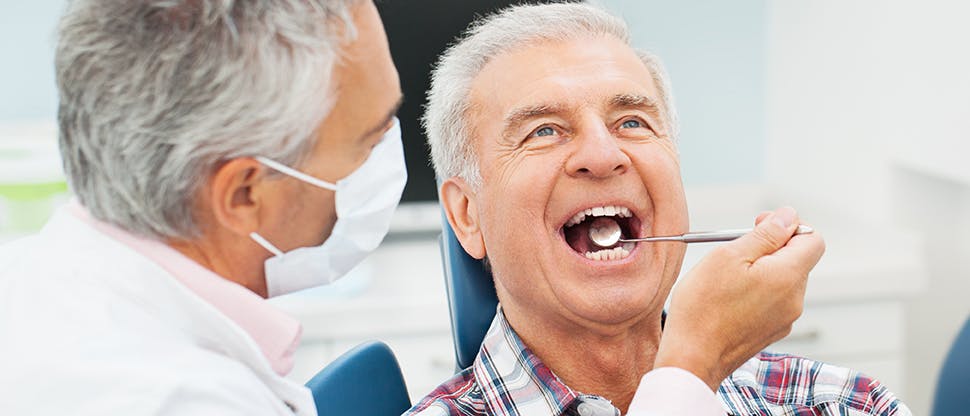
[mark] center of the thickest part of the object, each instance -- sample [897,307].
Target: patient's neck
[607,361]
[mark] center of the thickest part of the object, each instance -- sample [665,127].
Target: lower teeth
[615,253]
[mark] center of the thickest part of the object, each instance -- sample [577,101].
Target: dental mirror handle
[709,236]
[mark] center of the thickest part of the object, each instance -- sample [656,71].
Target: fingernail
[783,217]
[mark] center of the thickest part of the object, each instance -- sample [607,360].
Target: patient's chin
[619,306]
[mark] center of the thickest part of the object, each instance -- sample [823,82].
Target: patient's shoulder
[460,395]
[779,383]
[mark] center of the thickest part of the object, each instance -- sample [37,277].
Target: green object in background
[32,191]
[27,206]
[32,181]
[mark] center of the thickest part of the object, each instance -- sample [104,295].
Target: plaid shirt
[507,379]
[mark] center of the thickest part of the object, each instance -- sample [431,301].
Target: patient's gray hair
[157,94]
[445,118]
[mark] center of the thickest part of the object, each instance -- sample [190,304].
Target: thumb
[771,234]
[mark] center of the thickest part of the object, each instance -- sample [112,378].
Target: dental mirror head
[604,232]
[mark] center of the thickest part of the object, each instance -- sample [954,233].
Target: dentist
[223,152]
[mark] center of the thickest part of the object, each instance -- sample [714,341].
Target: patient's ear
[462,212]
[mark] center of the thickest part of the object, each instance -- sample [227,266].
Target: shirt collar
[514,381]
[276,334]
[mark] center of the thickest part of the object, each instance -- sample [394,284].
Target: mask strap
[295,173]
[266,244]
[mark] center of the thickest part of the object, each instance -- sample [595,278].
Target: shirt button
[596,406]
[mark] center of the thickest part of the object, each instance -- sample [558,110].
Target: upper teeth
[607,211]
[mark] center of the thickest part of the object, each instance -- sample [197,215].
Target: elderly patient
[542,119]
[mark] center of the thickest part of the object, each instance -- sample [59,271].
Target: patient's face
[562,127]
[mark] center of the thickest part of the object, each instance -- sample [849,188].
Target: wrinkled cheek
[672,210]
[512,264]
[511,223]
[501,223]
[670,150]
[661,174]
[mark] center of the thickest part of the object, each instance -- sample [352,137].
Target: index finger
[802,251]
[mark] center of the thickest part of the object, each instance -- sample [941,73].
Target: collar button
[596,406]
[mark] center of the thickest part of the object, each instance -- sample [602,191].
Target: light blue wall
[715,54]
[714,51]
[27,29]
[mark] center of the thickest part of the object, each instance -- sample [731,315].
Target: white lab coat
[90,327]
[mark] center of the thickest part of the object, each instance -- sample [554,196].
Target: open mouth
[577,230]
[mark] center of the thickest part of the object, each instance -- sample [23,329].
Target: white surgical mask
[365,201]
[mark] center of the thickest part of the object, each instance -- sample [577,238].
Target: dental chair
[471,297]
[364,381]
[952,395]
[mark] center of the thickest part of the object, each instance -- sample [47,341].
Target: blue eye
[545,131]
[631,124]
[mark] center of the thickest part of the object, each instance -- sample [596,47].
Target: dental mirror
[605,232]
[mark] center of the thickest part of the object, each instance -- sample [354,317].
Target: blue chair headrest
[365,381]
[953,386]
[471,297]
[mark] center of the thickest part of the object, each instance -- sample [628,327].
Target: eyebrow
[635,101]
[387,119]
[523,114]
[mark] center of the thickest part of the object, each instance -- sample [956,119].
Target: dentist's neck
[228,256]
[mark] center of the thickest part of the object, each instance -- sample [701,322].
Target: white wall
[866,118]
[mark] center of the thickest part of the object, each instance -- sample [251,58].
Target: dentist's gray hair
[156,94]
[446,115]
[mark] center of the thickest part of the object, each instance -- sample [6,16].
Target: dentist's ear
[462,212]
[234,195]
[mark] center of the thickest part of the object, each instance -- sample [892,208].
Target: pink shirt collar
[276,333]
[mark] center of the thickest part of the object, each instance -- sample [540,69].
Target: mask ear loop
[279,167]
[266,244]
[295,173]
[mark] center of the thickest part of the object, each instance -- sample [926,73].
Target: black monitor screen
[418,32]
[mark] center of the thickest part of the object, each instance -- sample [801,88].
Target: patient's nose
[598,155]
